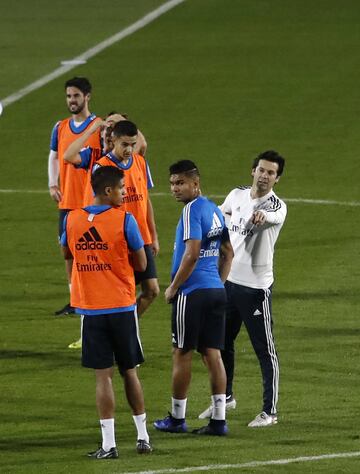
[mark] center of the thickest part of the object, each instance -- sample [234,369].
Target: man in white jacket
[254,216]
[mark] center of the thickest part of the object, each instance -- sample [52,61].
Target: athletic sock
[218,403]
[140,423]
[81,325]
[108,434]
[178,408]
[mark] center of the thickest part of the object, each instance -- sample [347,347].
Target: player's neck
[256,193]
[101,201]
[123,160]
[82,116]
[195,195]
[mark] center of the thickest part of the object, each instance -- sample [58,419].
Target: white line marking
[212,196]
[74,62]
[219,467]
[90,53]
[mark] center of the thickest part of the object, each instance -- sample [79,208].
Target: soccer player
[124,137]
[69,192]
[105,245]
[138,181]
[254,216]
[201,263]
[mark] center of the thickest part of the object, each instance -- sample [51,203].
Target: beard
[77,109]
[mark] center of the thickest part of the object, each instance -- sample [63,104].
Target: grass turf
[216,82]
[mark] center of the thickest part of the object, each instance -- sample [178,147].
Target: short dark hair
[113,112]
[274,157]
[81,83]
[105,176]
[124,128]
[186,167]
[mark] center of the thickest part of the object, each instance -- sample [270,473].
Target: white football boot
[263,419]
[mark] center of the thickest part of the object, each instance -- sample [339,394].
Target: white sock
[81,325]
[178,408]
[140,423]
[218,403]
[108,433]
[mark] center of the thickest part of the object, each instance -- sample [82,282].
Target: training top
[137,182]
[72,179]
[100,238]
[201,220]
[253,246]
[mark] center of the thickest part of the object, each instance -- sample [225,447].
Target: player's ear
[253,172]
[107,190]
[277,179]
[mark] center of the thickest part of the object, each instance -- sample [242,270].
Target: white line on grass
[220,467]
[212,196]
[145,20]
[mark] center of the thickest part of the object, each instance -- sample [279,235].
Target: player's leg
[233,321]
[67,309]
[128,355]
[97,354]
[135,398]
[148,283]
[211,341]
[186,321]
[149,291]
[259,326]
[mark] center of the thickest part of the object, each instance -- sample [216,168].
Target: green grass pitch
[216,81]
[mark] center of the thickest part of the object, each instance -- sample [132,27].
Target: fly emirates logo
[91,240]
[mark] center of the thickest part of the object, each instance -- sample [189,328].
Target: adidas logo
[216,227]
[257,312]
[91,240]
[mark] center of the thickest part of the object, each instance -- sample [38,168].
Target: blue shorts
[109,337]
[198,319]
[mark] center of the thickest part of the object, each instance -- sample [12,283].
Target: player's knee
[150,292]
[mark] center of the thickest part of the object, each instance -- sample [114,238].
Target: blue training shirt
[201,219]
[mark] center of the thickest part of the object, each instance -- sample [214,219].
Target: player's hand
[55,193]
[155,247]
[258,218]
[97,123]
[170,294]
[113,119]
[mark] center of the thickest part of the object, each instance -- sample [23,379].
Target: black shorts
[198,319]
[62,214]
[107,337]
[150,271]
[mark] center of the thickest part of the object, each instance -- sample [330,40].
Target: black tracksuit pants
[253,308]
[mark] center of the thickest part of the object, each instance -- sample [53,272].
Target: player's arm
[141,145]
[226,256]
[53,165]
[150,218]
[273,215]
[53,173]
[187,265]
[135,244]
[72,153]
[139,260]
